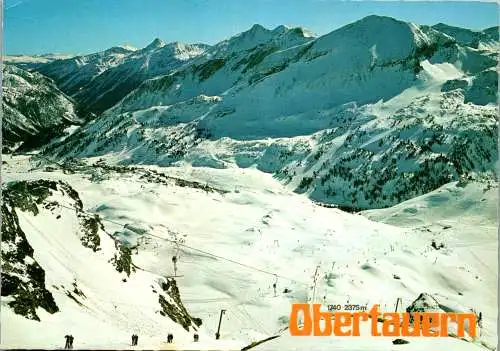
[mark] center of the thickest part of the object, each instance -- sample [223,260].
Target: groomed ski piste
[248,228]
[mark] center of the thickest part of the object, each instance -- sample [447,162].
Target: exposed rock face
[23,280]
[34,109]
[172,306]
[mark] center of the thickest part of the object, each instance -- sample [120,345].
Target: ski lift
[176,254]
[177,247]
[174,261]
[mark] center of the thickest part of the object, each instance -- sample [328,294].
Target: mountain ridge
[238,105]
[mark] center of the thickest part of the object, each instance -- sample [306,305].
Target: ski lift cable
[195,249]
[241,313]
[229,260]
[204,252]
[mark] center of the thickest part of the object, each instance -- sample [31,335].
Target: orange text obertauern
[427,324]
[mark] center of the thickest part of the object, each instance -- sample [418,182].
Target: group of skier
[135,339]
[170,338]
[69,341]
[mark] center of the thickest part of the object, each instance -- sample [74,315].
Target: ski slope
[251,220]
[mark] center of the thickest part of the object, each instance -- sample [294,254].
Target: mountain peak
[376,21]
[375,26]
[257,28]
[440,24]
[356,39]
[377,18]
[155,44]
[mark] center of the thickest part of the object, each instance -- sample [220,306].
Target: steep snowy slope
[61,268]
[354,63]
[227,65]
[350,118]
[34,110]
[156,59]
[248,218]
[100,80]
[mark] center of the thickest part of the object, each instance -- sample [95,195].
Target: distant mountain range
[369,115]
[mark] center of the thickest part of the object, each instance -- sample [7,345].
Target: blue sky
[83,26]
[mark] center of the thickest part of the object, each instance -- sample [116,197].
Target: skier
[136,339]
[133,339]
[170,338]
[71,338]
[196,337]
[67,337]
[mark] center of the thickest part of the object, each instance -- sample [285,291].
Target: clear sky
[83,26]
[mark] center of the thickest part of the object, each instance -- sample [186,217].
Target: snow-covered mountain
[393,118]
[34,109]
[349,118]
[98,81]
